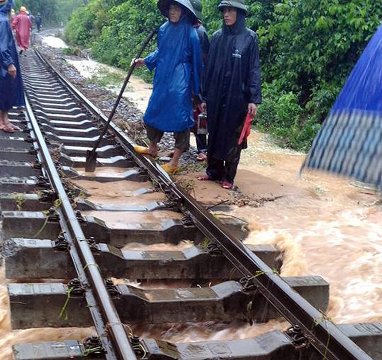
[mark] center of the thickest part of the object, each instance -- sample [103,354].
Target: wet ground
[326,225]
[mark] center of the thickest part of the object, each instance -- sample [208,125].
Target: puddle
[54,42]
[137,91]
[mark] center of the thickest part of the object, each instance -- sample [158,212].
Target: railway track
[64,248]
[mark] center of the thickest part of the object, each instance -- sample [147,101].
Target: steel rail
[327,339]
[85,263]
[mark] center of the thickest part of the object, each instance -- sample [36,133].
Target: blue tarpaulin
[350,140]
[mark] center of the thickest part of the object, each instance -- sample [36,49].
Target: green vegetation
[114,30]
[308,48]
[107,78]
[53,12]
[76,51]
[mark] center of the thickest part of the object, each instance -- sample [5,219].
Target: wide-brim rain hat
[238,4]
[197,5]
[6,5]
[164,5]
[3,5]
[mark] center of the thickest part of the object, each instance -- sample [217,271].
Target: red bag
[246,129]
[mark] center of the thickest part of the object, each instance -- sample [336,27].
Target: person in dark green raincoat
[231,90]
[11,85]
[177,64]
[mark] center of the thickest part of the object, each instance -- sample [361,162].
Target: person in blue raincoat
[11,85]
[177,64]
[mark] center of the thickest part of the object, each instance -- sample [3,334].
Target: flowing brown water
[341,242]
[324,225]
[9,337]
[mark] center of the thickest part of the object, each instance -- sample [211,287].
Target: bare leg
[3,115]
[175,158]
[172,167]
[153,149]
[6,119]
[5,124]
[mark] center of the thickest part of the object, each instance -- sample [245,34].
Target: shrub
[307,50]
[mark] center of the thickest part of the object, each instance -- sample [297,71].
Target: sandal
[171,170]
[201,156]
[227,185]
[205,178]
[209,178]
[144,151]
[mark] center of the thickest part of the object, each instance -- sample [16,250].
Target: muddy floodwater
[54,42]
[328,226]
[325,226]
[137,91]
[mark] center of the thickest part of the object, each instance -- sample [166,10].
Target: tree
[307,50]
[312,45]
[53,12]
